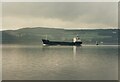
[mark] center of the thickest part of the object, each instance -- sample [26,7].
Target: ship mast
[46,37]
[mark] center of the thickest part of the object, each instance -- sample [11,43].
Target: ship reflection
[74,51]
[64,49]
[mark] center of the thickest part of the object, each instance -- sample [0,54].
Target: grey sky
[60,14]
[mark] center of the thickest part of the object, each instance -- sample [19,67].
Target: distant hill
[34,35]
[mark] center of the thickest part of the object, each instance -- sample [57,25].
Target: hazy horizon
[59,28]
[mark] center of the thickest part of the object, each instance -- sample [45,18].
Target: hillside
[34,35]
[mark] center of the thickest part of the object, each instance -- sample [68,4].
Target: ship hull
[47,42]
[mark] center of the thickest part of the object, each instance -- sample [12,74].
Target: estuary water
[88,62]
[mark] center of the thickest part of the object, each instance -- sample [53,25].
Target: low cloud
[62,14]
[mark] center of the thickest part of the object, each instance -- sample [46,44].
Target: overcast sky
[60,14]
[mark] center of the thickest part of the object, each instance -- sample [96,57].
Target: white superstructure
[76,39]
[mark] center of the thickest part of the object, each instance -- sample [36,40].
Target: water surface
[60,62]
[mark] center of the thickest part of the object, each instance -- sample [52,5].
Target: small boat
[97,43]
[76,42]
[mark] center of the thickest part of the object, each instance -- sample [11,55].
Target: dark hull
[47,42]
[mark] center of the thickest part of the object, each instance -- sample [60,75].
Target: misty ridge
[34,36]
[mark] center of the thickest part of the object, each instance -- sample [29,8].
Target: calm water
[60,62]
